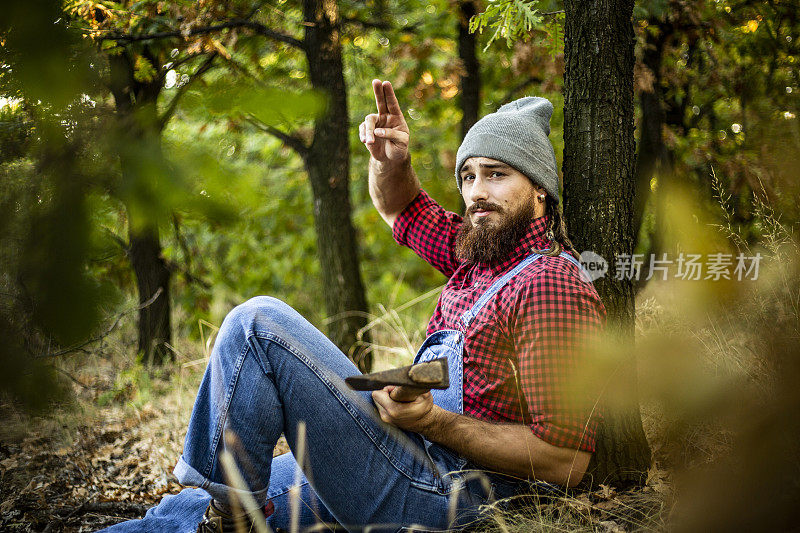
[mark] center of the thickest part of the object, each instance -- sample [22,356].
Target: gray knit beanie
[516,135]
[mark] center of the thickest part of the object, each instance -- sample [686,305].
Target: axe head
[428,375]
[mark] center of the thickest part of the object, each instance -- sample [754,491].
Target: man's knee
[270,319]
[260,315]
[261,305]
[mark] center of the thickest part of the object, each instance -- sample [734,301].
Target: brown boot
[217,521]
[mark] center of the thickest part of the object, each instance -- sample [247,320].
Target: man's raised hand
[385,133]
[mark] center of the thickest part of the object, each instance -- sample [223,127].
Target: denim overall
[449,343]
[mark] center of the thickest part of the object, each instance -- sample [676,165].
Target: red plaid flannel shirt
[537,321]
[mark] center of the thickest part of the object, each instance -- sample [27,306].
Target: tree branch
[173,105]
[124,508]
[184,246]
[181,61]
[292,141]
[272,34]
[119,240]
[73,378]
[186,268]
[107,332]
[191,278]
[380,25]
[239,67]
[235,23]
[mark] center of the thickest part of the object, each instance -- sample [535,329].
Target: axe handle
[406,393]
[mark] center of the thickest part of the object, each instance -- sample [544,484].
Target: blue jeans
[271,369]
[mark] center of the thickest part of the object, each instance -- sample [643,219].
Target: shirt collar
[535,239]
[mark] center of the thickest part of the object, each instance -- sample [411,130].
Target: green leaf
[511,19]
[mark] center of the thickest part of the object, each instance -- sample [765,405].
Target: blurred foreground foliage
[48,297]
[719,364]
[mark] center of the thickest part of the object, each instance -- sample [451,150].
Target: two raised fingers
[387,124]
[385,99]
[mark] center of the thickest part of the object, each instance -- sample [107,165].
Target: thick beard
[487,243]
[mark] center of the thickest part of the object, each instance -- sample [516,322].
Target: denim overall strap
[469,315]
[571,259]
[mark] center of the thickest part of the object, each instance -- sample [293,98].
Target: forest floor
[108,454]
[121,464]
[77,473]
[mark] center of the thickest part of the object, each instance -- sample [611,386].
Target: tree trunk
[139,140]
[470,90]
[152,276]
[653,158]
[328,166]
[598,198]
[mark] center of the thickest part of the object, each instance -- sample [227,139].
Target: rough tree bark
[598,197]
[140,145]
[470,83]
[328,164]
[152,275]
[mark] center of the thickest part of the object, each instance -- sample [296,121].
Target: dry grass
[604,510]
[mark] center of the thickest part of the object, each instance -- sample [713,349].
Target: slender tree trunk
[470,90]
[139,140]
[653,158]
[598,197]
[152,276]
[328,165]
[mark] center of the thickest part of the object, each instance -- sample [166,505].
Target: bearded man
[511,321]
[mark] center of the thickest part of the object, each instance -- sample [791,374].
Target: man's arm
[392,186]
[507,448]
[392,182]
[556,319]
